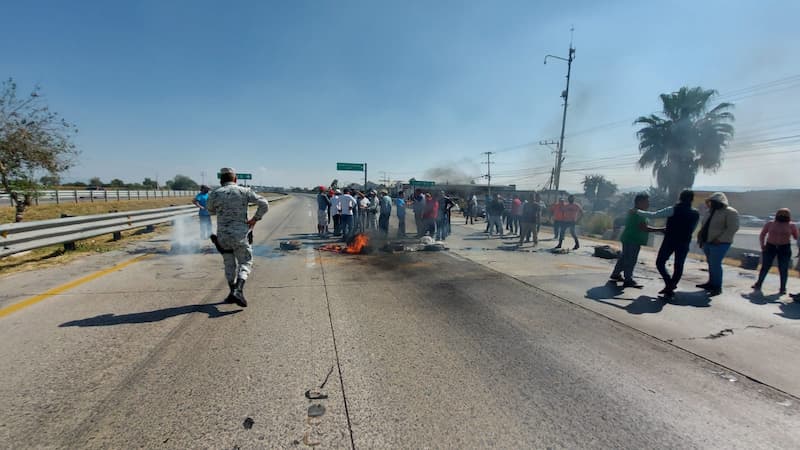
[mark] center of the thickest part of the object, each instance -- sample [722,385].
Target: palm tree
[688,138]
[598,189]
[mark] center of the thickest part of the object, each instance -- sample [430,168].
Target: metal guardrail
[23,236]
[76,196]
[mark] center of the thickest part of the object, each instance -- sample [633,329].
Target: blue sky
[286,89]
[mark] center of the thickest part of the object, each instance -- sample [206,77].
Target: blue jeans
[715,253]
[347,226]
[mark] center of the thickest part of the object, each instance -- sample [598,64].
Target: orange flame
[357,246]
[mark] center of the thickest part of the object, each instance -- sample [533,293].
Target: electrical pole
[553,170]
[565,96]
[489,170]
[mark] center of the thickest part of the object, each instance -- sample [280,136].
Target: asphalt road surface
[411,350]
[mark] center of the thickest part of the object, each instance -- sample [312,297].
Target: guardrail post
[91,196]
[69,246]
[149,228]
[146,194]
[117,235]
[129,194]
[105,195]
[117,194]
[57,197]
[75,194]
[36,199]
[138,194]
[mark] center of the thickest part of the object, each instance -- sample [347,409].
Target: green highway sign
[423,183]
[357,167]
[241,176]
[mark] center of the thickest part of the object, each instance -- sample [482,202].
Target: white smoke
[185,236]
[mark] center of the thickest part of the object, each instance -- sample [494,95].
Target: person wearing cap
[385,206]
[715,238]
[776,241]
[229,202]
[201,201]
[323,206]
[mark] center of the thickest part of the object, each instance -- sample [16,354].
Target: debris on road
[248,423]
[316,410]
[606,252]
[291,245]
[722,333]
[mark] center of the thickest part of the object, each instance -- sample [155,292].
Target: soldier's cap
[227,170]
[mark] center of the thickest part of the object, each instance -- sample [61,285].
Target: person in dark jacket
[529,219]
[681,222]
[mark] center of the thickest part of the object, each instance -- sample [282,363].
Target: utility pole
[565,96]
[489,170]
[553,171]
[385,180]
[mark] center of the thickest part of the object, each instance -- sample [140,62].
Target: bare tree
[32,139]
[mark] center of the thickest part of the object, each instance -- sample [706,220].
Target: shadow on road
[758,298]
[643,304]
[790,310]
[104,320]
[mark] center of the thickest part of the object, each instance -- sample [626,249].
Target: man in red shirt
[571,214]
[516,213]
[429,215]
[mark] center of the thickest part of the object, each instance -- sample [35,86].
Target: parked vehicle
[751,221]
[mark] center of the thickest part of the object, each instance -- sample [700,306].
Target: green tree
[149,184]
[32,139]
[117,183]
[598,190]
[182,183]
[50,180]
[95,181]
[685,138]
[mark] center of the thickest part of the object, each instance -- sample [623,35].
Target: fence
[23,236]
[75,196]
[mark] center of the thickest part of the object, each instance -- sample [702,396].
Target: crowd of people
[354,211]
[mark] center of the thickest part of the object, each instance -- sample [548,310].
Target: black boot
[238,294]
[230,298]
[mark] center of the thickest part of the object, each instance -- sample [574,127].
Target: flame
[359,242]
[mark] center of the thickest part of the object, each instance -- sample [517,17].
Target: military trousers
[238,257]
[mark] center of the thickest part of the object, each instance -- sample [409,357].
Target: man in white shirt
[347,205]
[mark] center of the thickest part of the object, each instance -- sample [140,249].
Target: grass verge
[53,211]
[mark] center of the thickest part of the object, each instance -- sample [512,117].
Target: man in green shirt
[633,238]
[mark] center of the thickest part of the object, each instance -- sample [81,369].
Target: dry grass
[53,211]
[55,254]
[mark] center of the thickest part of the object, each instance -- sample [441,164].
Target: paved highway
[411,350]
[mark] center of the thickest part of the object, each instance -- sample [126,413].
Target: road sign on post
[418,183]
[241,176]
[356,167]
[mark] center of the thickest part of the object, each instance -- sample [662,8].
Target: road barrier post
[69,246]
[117,235]
[57,191]
[75,194]
[105,195]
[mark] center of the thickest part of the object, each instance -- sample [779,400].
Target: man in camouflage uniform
[229,202]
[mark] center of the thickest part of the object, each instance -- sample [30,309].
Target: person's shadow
[758,298]
[790,310]
[104,320]
[642,304]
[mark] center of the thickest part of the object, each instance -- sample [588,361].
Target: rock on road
[410,350]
